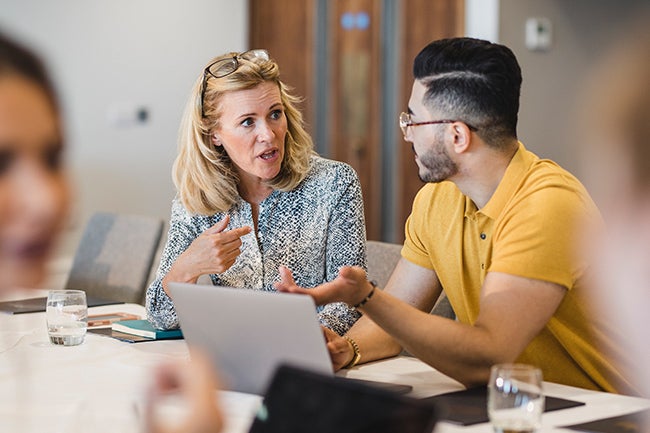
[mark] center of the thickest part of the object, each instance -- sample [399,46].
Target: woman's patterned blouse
[314,230]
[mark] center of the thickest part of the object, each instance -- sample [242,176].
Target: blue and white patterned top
[314,230]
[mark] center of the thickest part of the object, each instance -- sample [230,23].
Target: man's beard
[436,165]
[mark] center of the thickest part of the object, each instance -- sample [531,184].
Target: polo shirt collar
[514,174]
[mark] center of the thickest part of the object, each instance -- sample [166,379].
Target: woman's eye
[247,122]
[276,114]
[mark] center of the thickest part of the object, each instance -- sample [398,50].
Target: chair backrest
[382,259]
[114,257]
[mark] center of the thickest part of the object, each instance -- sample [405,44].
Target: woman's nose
[39,193]
[265,131]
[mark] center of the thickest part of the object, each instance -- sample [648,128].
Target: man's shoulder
[547,179]
[445,190]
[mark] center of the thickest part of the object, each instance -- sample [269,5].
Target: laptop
[334,404]
[250,333]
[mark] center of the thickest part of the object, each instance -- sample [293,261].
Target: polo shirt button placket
[483,236]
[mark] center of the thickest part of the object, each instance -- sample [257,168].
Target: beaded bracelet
[367,298]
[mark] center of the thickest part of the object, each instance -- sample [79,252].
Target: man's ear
[462,136]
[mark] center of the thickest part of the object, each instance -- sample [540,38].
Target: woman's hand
[213,252]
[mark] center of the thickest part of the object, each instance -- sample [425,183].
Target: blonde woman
[253,195]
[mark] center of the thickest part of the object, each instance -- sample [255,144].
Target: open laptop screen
[249,333]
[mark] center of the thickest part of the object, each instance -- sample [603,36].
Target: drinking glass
[515,398]
[67,315]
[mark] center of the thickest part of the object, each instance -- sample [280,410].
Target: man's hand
[340,350]
[350,286]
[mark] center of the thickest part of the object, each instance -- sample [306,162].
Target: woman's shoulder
[328,170]
[180,214]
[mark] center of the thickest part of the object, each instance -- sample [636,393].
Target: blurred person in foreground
[253,195]
[614,123]
[495,227]
[34,201]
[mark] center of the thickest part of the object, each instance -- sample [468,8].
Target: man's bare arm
[513,311]
[417,286]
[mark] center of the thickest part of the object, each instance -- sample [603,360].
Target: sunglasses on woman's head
[224,67]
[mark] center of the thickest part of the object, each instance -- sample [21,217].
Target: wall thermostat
[538,34]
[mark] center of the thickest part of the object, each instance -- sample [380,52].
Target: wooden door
[355,100]
[347,97]
[286,29]
[422,21]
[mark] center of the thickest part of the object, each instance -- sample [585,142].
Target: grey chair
[382,259]
[115,255]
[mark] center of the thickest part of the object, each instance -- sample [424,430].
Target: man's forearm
[437,341]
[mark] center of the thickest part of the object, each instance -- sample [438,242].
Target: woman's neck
[254,193]
[253,190]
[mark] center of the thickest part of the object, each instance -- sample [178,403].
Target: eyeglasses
[405,121]
[224,67]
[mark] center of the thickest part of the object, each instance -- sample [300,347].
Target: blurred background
[124,69]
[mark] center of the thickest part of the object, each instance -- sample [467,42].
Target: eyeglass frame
[234,60]
[404,124]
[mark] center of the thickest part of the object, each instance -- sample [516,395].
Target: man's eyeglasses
[224,67]
[405,121]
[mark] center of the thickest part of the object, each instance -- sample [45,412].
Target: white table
[98,386]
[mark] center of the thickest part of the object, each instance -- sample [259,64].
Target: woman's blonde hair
[203,173]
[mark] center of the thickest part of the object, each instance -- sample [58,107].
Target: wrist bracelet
[356,357]
[367,298]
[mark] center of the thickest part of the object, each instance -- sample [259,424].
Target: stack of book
[141,330]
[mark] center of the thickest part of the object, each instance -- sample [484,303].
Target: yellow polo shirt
[527,228]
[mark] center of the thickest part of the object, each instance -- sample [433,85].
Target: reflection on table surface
[99,385]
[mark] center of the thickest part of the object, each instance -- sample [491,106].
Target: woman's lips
[28,250]
[270,155]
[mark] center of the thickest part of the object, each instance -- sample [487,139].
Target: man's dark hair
[474,81]
[17,60]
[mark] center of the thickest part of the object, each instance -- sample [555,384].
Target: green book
[143,328]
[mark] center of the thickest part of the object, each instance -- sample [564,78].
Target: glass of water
[67,316]
[515,398]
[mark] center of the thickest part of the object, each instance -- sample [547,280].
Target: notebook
[469,406]
[335,404]
[143,328]
[35,305]
[250,333]
[629,423]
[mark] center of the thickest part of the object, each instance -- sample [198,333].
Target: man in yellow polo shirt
[495,228]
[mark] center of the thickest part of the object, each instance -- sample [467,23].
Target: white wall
[482,19]
[582,30]
[111,54]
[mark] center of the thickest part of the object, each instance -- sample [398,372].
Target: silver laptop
[249,333]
